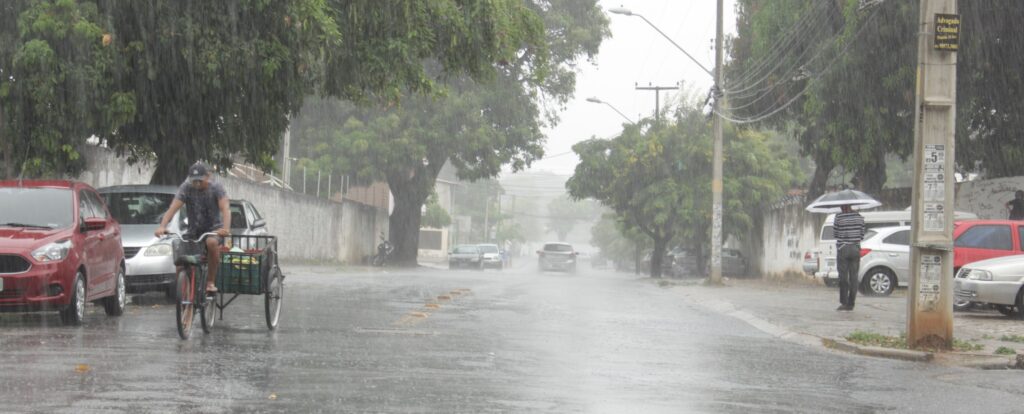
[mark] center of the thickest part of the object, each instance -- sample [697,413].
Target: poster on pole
[928,286]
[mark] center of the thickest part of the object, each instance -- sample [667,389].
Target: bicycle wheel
[273,297]
[207,303]
[185,308]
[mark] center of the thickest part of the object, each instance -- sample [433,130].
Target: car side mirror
[94,223]
[259,223]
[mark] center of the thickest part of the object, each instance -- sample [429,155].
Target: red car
[976,240]
[59,247]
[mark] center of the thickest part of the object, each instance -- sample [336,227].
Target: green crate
[240,273]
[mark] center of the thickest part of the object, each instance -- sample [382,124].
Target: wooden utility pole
[930,299]
[657,98]
[716,169]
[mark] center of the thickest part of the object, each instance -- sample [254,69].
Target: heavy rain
[511,206]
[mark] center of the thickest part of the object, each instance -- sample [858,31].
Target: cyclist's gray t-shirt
[201,206]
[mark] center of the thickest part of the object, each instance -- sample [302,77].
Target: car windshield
[36,207]
[138,207]
[489,248]
[557,248]
[466,249]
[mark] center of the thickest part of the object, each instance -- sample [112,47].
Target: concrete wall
[307,227]
[987,198]
[788,232]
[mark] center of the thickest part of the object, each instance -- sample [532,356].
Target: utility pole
[487,214]
[930,299]
[657,98]
[716,169]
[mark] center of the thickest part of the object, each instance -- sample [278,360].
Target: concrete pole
[318,173]
[286,149]
[716,171]
[328,186]
[930,299]
[657,98]
[303,180]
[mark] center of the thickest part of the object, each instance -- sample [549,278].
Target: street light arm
[672,41]
[620,113]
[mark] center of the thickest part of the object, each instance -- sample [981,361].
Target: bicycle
[190,283]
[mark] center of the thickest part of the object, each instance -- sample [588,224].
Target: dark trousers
[848,264]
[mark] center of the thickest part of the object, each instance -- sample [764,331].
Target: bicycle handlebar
[170,235]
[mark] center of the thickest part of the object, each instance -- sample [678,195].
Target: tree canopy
[657,180]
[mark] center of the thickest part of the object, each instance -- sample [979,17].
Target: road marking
[394,331]
[444,298]
[432,306]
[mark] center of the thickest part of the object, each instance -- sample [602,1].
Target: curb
[875,351]
[806,339]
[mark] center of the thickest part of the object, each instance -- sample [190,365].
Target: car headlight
[975,274]
[53,252]
[158,249]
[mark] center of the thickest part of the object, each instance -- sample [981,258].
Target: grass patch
[900,342]
[987,336]
[1005,351]
[1012,338]
[877,339]
[961,345]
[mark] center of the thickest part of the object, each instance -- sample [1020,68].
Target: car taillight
[864,252]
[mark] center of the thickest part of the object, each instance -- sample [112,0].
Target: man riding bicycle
[207,210]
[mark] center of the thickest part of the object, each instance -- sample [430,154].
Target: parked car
[467,256]
[492,256]
[557,256]
[826,250]
[684,263]
[139,209]
[997,282]
[59,248]
[733,264]
[884,260]
[976,240]
[811,262]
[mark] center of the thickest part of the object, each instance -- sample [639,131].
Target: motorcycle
[384,250]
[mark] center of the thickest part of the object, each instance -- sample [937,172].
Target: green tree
[435,216]
[856,105]
[479,125]
[55,85]
[658,181]
[564,213]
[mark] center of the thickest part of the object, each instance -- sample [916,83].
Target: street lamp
[598,101]
[716,174]
[627,12]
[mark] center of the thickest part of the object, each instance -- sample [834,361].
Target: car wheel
[114,305]
[74,313]
[1006,310]
[1020,304]
[879,282]
[960,305]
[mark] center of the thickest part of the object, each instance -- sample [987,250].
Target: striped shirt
[848,228]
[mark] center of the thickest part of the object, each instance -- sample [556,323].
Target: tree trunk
[168,172]
[872,178]
[823,166]
[404,226]
[7,146]
[657,256]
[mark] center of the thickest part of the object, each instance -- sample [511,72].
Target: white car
[492,256]
[885,260]
[998,282]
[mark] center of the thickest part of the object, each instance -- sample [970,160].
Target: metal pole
[318,183]
[930,299]
[286,147]
[657,98]
[328,186]
[303,180]
[716,178]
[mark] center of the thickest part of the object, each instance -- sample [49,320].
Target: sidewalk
[807,310]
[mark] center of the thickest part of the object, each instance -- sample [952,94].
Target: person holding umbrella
[849,231]
[848,228]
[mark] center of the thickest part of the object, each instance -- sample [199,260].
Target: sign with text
[947,32]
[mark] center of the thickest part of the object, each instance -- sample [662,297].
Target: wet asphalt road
[512,341]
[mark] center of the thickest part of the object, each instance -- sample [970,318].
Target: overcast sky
[635,54]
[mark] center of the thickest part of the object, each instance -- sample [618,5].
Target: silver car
[139,209]
[492,256]
[557,256]
[998,282]
[885,260]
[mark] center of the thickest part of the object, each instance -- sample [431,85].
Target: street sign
[947,32]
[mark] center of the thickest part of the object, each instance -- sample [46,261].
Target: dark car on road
[557,256]
[59,248]
[467,256]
